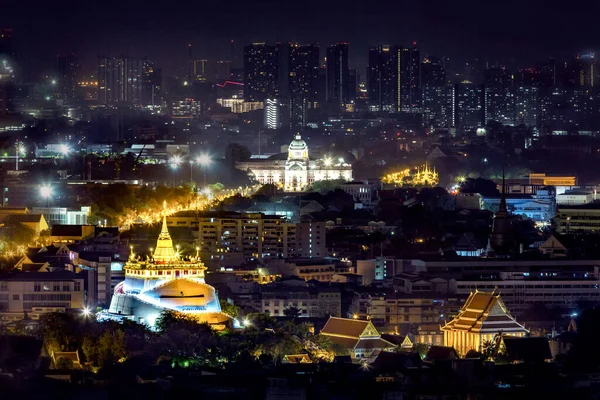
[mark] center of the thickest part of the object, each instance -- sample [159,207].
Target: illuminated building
[261,72]
[32,294]
[303,81]
[425,176]
[482,317]
[273,118]
[222,236]
[66,69]
[360,337]
[338,74]
[382,78]
[469,106]
[88,90]
[186,108]
[409,82]
[165,281]
[239,106]
[297,172]
[313,301]
[121,80]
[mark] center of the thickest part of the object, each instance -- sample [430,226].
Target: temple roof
[344,327]
[484,312]
[164,252]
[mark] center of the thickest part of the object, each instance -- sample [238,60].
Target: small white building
[576,197]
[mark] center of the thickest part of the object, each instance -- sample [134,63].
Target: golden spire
[164,251]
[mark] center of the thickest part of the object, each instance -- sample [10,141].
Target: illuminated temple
[165,281]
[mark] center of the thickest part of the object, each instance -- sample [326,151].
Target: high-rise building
[382,78]
[437,94]
[338,74]
[120,80]
[304,72]
[303,81]
[469,106]
[261,72]
[433,72]
[151,85]
[438,106]
[272,112]
[66,70]
[499,96]
[409,84]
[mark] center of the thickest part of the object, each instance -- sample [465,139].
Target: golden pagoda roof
[164,252]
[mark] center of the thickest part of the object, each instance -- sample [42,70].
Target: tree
[22,234]
[292,312]
[327,186]
[60,331]
[229,308]
[421,348]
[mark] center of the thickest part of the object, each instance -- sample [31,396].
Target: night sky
[525,30]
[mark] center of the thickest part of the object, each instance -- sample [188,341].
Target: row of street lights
[203,159]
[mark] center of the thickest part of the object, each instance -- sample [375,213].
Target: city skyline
[461,32]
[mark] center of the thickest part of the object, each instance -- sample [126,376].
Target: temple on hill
[165,281]
[482,317]
[297,172]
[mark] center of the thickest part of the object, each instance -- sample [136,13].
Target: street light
[205,161]
[64,149]
[46,192]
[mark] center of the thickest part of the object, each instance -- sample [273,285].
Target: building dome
[298,143]
[297,149]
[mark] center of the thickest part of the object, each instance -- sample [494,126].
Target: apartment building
[312,301]
[397,314]
[254,235]
[578,219]
[36,293]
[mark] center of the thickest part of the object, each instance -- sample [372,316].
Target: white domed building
[297,172]
[165,281]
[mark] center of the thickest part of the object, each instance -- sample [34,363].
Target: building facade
[298,172]
[35,293]
[480,320]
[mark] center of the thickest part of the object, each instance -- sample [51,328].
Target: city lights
[64,149]
[175,162]
[46,191]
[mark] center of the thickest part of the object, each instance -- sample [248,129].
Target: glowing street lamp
[64,149]
[327,161]
[46,192]
[205,161]
[175,162]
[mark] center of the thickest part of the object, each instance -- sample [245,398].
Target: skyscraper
[304,72]
[382,78]
[409,84]
[261,72]
[151,85]
[437,94]
[66,68]
[469,106]
[338,74]
[120,80]
[303,80]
